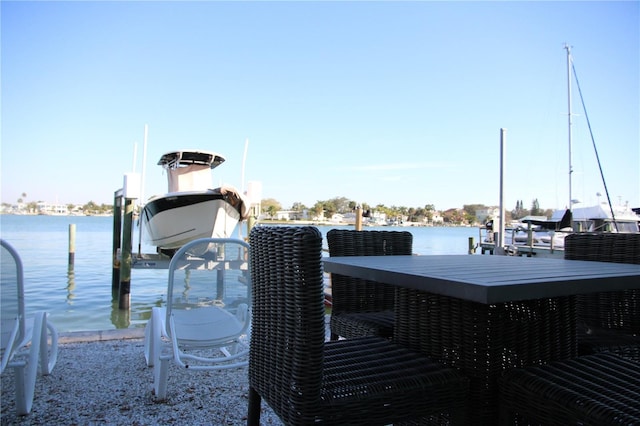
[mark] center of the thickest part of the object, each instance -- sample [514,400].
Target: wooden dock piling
[72,245]
[358,218]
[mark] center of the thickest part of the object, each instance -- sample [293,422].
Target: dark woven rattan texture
[485,340]
[614,311]
[361,307]
[363,381]
[600,389]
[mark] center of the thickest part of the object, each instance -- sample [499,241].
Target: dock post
[72,245]
[251,221]
[472,246]
[117,231]
[124,295]
[358,218]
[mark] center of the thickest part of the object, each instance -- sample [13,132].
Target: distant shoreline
[277,222]
[329,223]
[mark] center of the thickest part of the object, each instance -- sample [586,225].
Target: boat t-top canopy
[553,224]
[175,159]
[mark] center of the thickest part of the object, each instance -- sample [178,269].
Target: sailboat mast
[568,48]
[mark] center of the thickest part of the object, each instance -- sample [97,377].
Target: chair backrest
[603,247]
[614,309]
[356,295]
[288,331]
[12,309]
[204,275]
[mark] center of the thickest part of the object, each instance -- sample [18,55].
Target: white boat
[602,218]
[191,208]
[544,236]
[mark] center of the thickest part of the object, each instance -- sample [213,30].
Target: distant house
[437,218]
[377,219]
[292,215]
[338,218]
[489,213]
[51,209]
[349,218]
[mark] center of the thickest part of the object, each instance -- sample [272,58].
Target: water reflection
[187,284]
[120,318]
[71,285]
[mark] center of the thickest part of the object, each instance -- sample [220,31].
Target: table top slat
[490,279]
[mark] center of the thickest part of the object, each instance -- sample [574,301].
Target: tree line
[90,208]
[464,215]
[327,208]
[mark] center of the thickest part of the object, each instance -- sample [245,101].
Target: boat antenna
[144,170]
[569,62]
[244,160]
[593,142]
[503,142]
[135,156]
[144,163]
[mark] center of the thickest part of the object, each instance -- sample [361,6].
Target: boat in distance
[542,233]
[191,208]
[545,237]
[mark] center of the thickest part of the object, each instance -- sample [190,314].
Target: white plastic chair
[26,343]
[205,324]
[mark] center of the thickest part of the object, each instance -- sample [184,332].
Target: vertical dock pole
[124,294]
[499,240]
[251,221]
[472,246]
[130,192]
[117,231]
[358,218]
[72,245]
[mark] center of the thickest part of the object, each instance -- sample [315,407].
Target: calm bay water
[82,299]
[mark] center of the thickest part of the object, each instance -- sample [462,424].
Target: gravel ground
[102,378]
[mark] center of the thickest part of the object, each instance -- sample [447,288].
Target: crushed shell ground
[107,382]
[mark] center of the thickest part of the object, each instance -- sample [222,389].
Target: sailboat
[603,217]
[545,237]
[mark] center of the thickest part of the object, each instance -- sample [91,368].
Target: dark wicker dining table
[487,314]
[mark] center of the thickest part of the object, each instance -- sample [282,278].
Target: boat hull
[172,220]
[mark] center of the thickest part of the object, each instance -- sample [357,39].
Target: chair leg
[48,354]
[161,377]
[26,375]
[153,337]
[23,400]
[253,415]
[334,336]
[148,344]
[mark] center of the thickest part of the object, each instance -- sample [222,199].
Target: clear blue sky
[394,103]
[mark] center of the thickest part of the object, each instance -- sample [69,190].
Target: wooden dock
[150,261]
[523,250]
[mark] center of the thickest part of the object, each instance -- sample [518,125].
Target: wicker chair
[607,321]
[305,380]
[361,307]
[600,389]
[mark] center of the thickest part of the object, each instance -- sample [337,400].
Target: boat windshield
[600,225]
[627,227]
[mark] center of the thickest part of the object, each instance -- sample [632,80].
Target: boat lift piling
[124,292]
[117,232]
[122,236]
